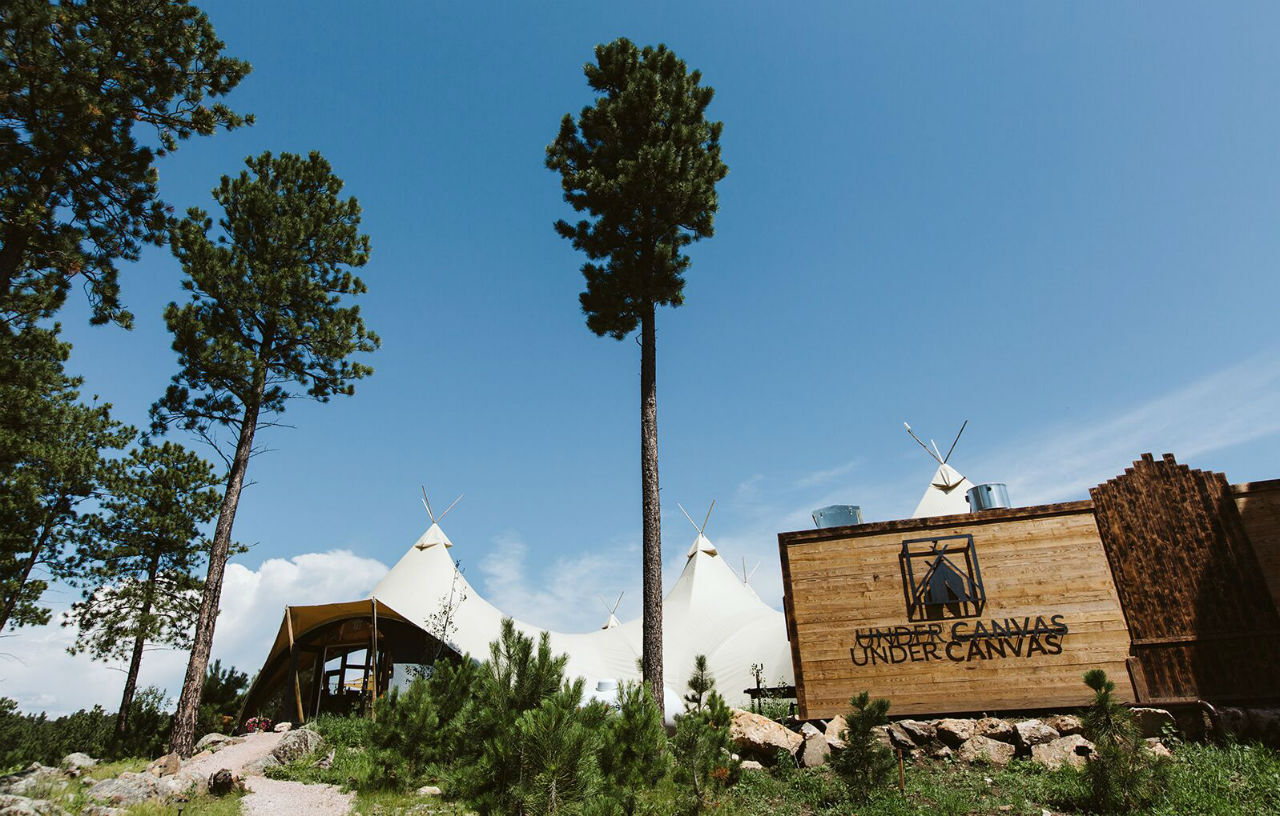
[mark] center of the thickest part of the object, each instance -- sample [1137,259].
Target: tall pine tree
[643,162]
[266,322]
[138,557]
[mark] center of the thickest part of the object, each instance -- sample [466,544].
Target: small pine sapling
[1122,777]
[864,764]
[702,744]
[559,772]
[633,751]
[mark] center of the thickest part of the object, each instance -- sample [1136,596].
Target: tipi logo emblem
[941,578]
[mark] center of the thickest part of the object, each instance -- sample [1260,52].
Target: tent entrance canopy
[336,658]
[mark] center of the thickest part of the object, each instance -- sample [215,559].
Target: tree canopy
[643,161]
[83,85]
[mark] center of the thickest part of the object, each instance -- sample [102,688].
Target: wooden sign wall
[859,618]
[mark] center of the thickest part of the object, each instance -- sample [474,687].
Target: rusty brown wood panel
[1187,575]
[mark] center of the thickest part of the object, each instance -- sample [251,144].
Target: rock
[1152,722]
[981,748]
[166,766]
[940,752]
[215,741]
[832,733]
[955,731]
[283,726]
[261,765]
[752,764]
[430,791]
[296,744]
[1072,749]
[1029,733]
[33,781]
[224,782]
[126,790]
[76,762]
[183,784]
[922,734]
[15,804]
[814,750]
[328,760]
[880,733]
[808,730]
[756,733]
[101,811]
[899,739]
[994,728]
[1156,748]
[1064,724]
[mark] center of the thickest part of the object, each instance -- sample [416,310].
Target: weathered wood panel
[1203,620]
[1044,563]
[1259,505]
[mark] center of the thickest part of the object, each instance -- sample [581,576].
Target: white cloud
[560,594]
[1236,405]
[39,674]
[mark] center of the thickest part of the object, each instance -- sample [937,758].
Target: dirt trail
[284,797]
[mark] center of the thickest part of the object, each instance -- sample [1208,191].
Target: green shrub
[558,741]
[633,749]
[26,739]
[702,747]
[864,764]
[1122,777]
[424,726]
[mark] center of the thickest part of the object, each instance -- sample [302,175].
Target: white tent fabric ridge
[709,611]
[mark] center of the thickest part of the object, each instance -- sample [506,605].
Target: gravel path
[266,796]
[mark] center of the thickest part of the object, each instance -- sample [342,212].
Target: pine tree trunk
[139,642]
[651,661]
[184,720]
[11,601]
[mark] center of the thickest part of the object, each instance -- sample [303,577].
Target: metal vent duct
[835,516]
[987,496]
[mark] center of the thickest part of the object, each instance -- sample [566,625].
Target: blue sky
[1055,220]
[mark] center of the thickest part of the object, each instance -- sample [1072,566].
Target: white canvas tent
[709,611]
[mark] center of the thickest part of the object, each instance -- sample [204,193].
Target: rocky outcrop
[761,736]
[126,790]
[16,804]
[215,741]
[34,781]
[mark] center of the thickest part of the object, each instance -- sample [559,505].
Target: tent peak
[434,535]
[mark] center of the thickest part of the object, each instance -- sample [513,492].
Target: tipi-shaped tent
[709,611]
[948,491]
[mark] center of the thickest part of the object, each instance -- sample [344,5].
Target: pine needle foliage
[558,743]
[91,93]
[864,765]
[1123,778]
[425,725]
[702,747]
[633,749]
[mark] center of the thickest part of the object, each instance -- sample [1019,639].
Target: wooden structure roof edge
[932,522]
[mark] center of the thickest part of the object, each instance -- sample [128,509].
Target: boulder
[980,748]
[1029,733]
[224,782]
[1152,722]
[751,764]
[296,744]
[814,750]
[955,731]
[756,733]
[33,781]
[1156,748]
[166,766]
[128,789]
[215,741]
[1072,749]
[430,791]
[899,738]
[283,726]
[922,734]
[96,810]
[183,784]
[834,727]
[261,765]
[1064,724]
[808,730]
[75,763]
[18,805]
[994,728]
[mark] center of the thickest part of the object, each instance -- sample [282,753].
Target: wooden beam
[373,662]
[293,665]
